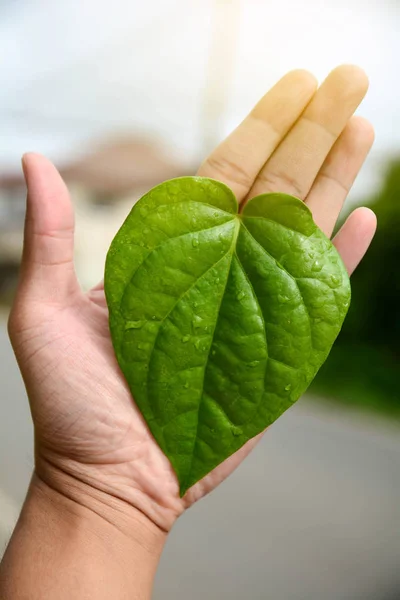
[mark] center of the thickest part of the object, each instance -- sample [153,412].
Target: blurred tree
[374,316]
[364,365]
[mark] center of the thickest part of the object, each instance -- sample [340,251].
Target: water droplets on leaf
[199,345]
[191,345]
[317,266]
[134,325]
[197,322]
[254,363]
[335,280]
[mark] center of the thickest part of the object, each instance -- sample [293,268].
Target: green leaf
[219,320]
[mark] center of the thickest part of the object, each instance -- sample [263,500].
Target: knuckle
[229,171]
[272,181]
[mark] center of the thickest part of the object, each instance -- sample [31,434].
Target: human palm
[87,426]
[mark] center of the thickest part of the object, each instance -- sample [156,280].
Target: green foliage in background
[364,365]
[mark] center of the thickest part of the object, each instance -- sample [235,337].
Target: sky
[76,72]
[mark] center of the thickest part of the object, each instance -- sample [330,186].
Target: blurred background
[124,95]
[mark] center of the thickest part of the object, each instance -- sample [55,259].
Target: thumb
[47,270]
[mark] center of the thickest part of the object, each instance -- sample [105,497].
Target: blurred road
[313,514]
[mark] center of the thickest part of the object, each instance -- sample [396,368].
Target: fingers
[296,162]
[47,271]
[355,236]
[240,157]
[338,173]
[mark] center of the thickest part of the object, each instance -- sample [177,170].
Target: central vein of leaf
[231,251]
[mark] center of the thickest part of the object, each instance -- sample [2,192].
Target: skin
[103,496]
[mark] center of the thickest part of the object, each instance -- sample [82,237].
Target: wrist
[72,542]
[84,504]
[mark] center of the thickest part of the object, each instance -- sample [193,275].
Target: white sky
[74,71]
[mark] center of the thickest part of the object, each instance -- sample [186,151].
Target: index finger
[240,157]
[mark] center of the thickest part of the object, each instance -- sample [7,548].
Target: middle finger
[296,162]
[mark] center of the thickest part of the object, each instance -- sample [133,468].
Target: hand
[89,434]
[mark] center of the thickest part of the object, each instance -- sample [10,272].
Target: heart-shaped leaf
[220,320]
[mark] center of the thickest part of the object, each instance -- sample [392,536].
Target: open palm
[298,140]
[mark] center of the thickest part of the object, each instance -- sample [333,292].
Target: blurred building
[110,179]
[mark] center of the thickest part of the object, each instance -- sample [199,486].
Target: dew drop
[134,325]
[213,352]
[316,266]
[197,344]
[195,242]
[186,385]
[146,231]
[217,280]
[141,244]
[236,431]
[240,295]
[185,339]
[143,211]
[254,363]
[283,299]
[141,346]
[288,387]
[153,317]
[335,280]
[197,322]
